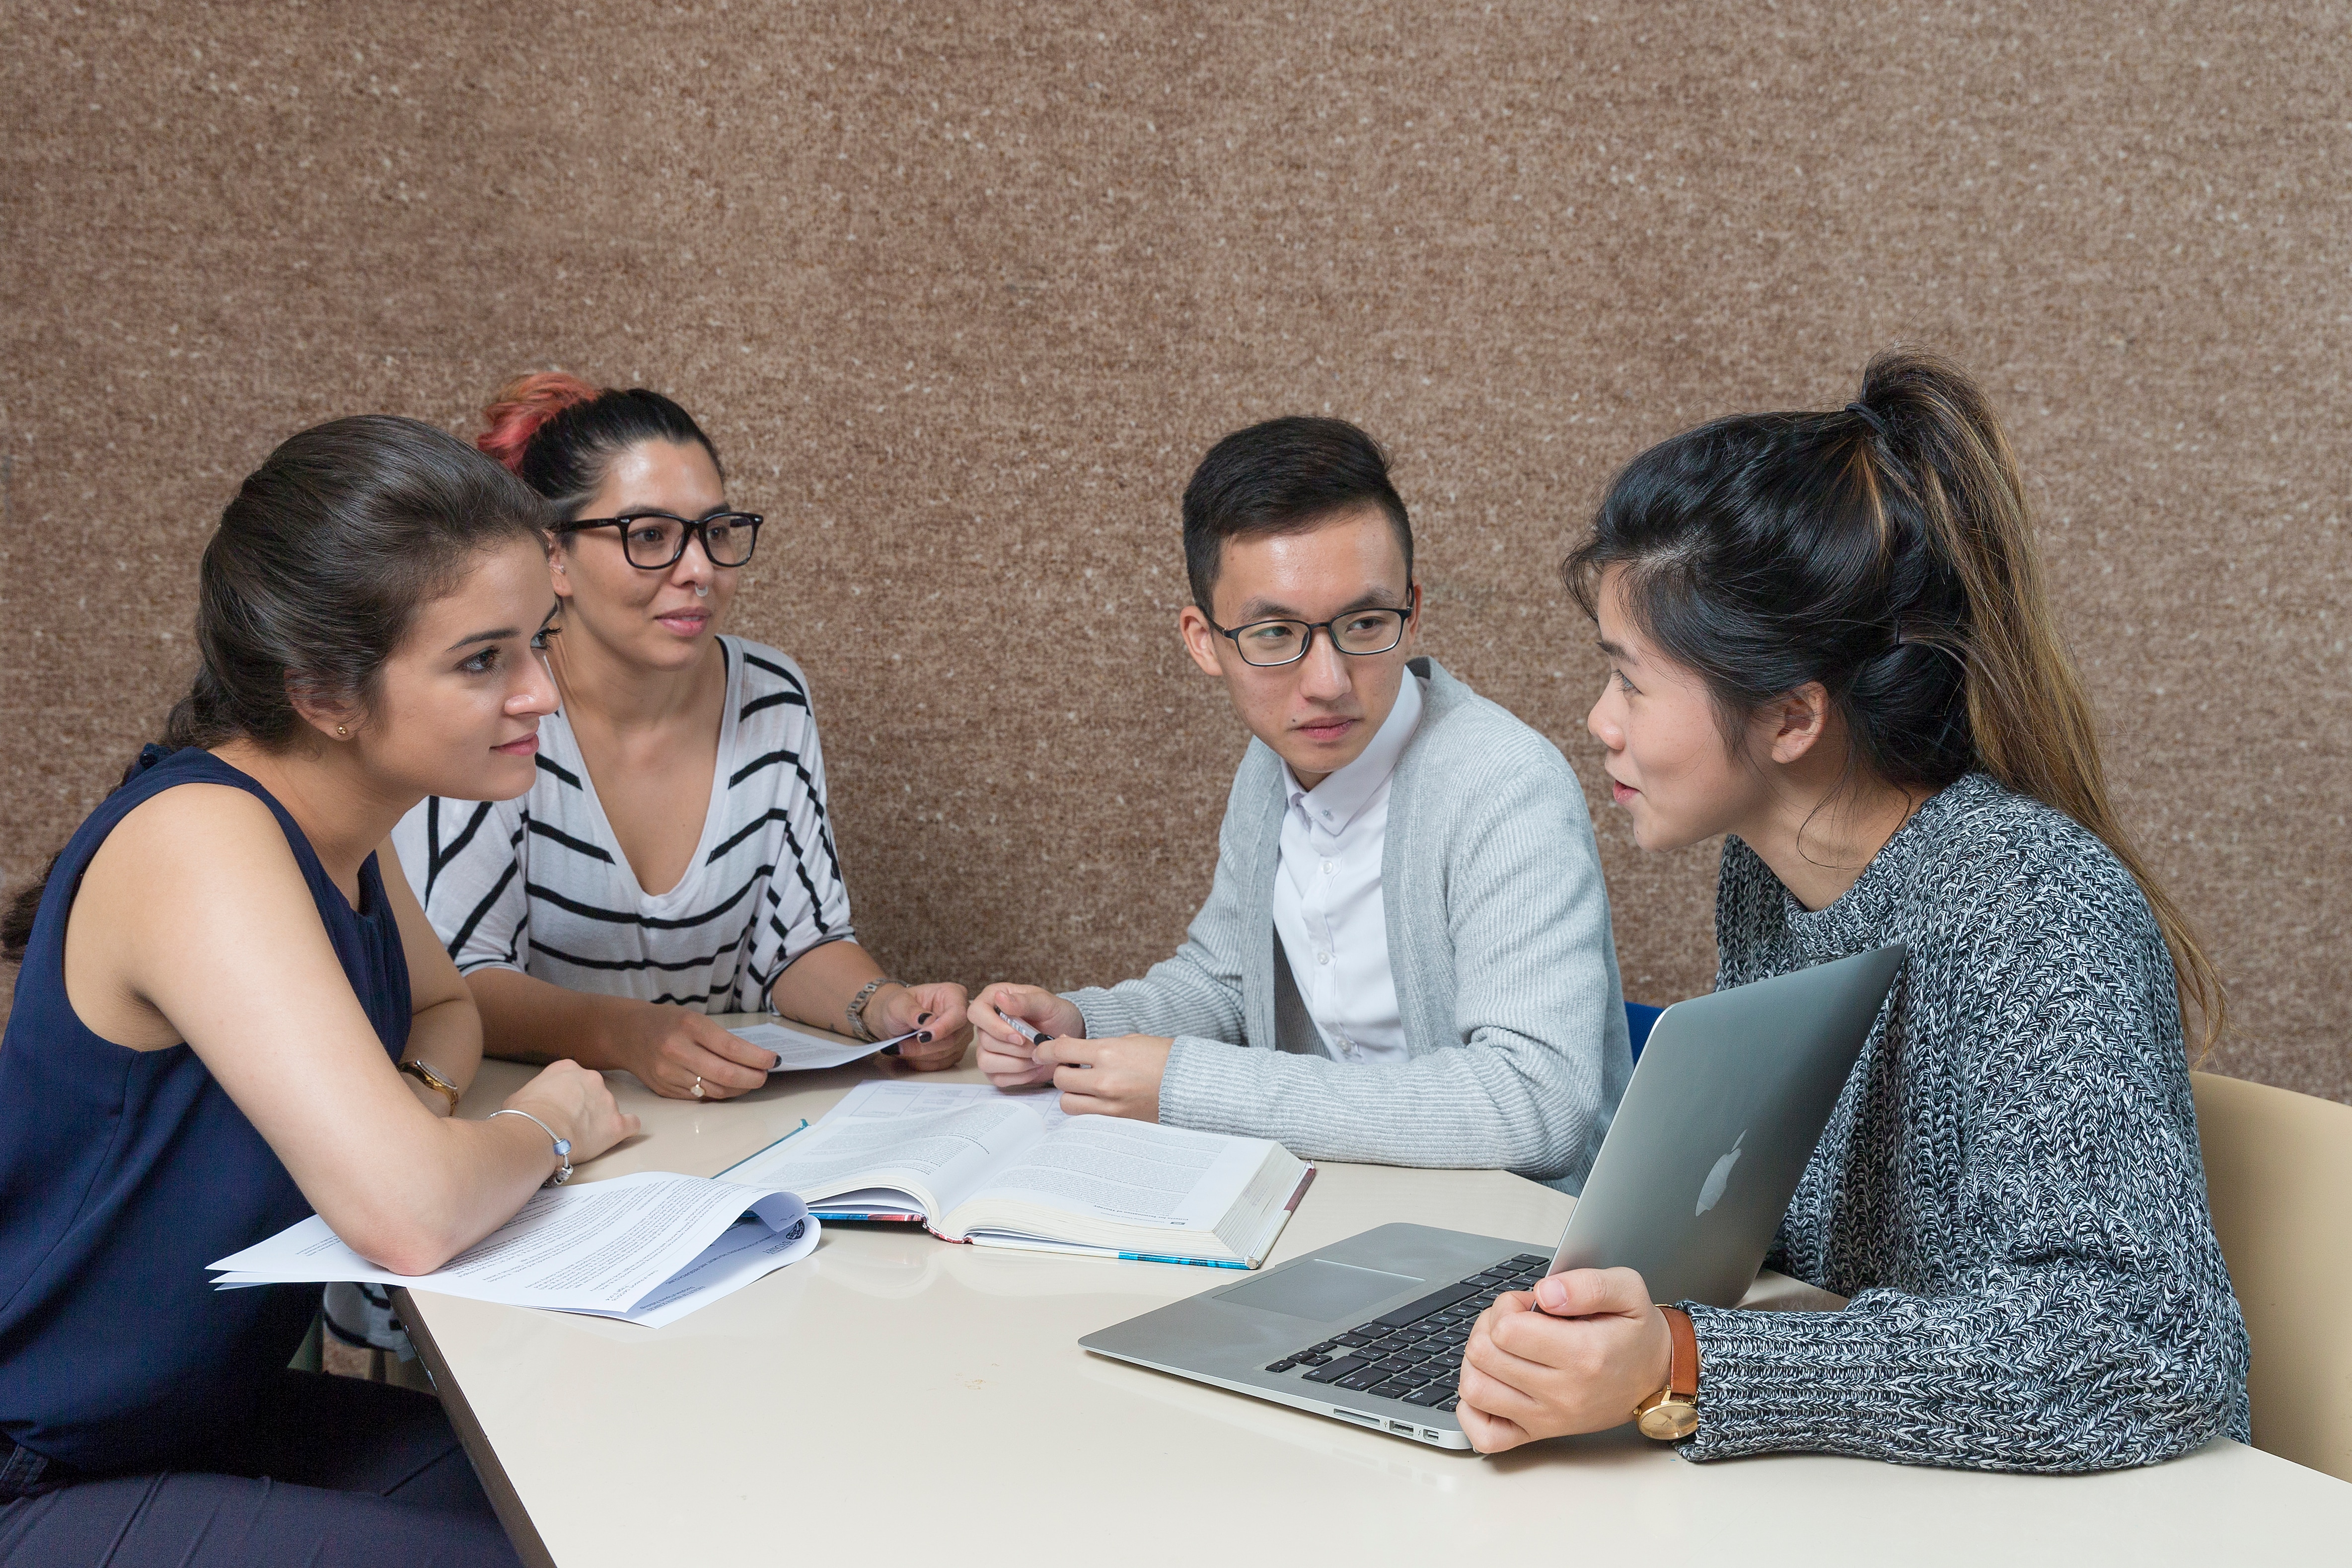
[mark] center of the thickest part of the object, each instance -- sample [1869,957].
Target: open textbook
[979,1164]
[648,1248]
[805,1051]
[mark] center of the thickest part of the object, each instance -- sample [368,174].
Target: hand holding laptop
[1574,1354]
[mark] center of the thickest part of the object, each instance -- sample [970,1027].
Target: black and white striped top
[539,884]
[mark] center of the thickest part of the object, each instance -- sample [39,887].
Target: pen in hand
[1028,1034]
[1034,1036]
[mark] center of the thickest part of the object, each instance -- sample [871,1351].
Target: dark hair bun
[559,434]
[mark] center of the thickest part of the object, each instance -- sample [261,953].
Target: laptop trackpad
[1318,1288]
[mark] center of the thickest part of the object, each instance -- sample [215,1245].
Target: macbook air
[1731,1096]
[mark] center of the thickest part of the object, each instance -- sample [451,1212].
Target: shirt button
[1322,958]
[1329,868]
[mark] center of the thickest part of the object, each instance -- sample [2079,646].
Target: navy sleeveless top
[124,1173]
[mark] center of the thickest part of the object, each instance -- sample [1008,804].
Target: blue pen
[757,1152]
[1195,1262]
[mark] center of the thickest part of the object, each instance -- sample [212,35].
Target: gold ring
[698,1086]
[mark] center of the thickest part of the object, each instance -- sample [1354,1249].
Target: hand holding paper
[929,1021]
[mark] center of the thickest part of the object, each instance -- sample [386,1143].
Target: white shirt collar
[1334,802]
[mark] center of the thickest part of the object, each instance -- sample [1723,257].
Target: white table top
[892,1393]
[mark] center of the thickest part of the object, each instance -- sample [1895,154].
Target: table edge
[513,1517]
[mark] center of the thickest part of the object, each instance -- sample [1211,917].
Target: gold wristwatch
[1672,1414]
[433,1080]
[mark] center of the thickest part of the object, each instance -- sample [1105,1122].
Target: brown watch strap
[1682,1377]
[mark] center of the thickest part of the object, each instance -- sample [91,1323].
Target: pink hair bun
[521,406]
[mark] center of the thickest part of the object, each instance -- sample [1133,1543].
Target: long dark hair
[1886,551]
[314,575]
[558,434]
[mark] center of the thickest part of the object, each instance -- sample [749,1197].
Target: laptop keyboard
[1414,1353]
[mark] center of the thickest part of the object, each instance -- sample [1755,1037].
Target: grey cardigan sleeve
[1199,991]
[2093,1325]
[1519,1083]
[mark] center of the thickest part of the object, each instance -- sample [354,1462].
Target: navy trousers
[346,1475]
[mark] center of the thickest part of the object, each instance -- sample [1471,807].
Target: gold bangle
[433,1080]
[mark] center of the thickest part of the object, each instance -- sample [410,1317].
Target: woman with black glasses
[675,858]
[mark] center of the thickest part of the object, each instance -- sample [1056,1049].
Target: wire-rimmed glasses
[1358,632]
[654,541]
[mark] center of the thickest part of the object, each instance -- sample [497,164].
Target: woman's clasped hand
[1574,1354]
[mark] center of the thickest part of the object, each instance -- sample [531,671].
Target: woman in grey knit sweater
[1828,640]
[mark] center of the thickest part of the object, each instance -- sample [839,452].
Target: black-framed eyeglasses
[1358,632]
[654,541]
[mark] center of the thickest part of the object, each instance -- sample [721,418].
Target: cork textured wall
[962,291]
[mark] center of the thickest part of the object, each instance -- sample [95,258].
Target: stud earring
[344,730]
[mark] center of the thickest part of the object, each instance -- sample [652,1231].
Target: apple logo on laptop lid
[1711,1192]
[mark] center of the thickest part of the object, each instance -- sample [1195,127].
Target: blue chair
[1638,1019]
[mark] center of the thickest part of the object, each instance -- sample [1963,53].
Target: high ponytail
[1886,550]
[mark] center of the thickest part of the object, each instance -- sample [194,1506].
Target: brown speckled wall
[963,290]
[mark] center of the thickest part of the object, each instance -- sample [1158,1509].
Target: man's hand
[1108,1077]
[1574,1354]
[1006,1055]
[669,1048]
[933,1013]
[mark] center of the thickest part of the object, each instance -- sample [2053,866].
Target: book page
[932,1142]
[1135,1173]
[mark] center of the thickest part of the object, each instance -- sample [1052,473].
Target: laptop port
[1404,1426]
[1341,1410]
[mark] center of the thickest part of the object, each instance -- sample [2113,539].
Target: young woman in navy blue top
[231,1013]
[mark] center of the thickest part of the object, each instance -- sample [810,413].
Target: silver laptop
[1731,1096]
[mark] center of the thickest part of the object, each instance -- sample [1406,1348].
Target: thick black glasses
[654,540]
[1359,632]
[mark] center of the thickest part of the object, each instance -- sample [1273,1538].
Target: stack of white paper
[648,1248]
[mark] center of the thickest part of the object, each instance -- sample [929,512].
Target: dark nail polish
[924,1038]
[889,1050]
[922,1018]
[1042,1039]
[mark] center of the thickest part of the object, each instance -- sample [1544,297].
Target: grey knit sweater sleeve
[2009,1189]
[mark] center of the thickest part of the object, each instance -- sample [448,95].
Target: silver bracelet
[855,1011]
[562,1145]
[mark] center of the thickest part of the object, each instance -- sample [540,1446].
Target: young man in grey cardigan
[1406,955]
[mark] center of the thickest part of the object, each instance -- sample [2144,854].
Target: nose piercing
[702,590]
